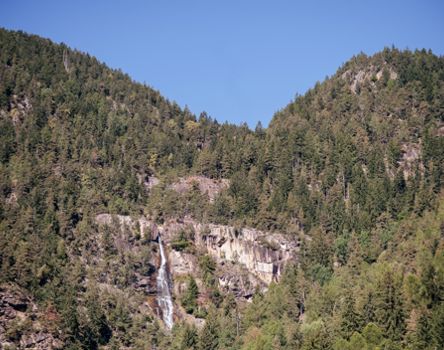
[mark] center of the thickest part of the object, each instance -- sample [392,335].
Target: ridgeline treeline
[355,167]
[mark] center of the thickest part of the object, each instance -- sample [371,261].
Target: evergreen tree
[209,335]
[189,298]
[369,310]
[350,318]
[390,309]
[423,336]
[437,323]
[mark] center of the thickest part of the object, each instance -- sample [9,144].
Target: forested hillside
[353,169]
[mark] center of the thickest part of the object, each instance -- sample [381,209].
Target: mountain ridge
[352,170]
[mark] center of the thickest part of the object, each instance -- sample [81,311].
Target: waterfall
[163,289]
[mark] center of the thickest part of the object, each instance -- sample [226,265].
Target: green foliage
[207,267]
[189,298]
[181,242]
[185,337]
[437,323]
[209,335]
[94,329]
[350,318]
[390,312]
[358,169]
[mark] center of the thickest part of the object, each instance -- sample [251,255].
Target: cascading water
[163,289]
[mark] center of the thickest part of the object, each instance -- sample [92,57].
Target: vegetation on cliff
[355,167]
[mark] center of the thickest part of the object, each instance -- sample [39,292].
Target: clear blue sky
[237,60]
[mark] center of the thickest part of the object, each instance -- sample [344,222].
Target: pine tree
[369,310]
[184,337]
[423,336]
[230,320]
[373,335]
[351,320]
[189,299]
[390,309]
[355,259]
[437,323]
[209,335]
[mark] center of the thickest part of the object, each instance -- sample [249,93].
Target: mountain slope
[376,121]
[80,139]
[352,171]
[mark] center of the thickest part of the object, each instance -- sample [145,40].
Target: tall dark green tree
[390,312]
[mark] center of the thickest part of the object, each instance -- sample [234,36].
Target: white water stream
[163,290]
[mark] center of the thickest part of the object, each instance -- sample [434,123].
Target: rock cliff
[262,255]
[23,325]
[246,259]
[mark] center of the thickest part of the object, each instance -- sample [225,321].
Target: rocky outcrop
[182,263]
[232,277]
[239,281]
[19,108]
[207,186]
[247,260]
[126,235]
[141,226]
[210,187]
[262,254]
[151,182]
[371,74]
[23,325]
[410,159]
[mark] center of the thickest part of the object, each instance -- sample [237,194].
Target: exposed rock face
[182,263]
[206,185]
[19,107]
[210,187]
[23,325]
[371,74]
[232,277]
[246,259]
[411,156]
[146,228]
[263,255]
[151,182]
[239,281]
[126,237]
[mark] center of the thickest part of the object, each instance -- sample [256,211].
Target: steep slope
[338,199]
[358,164]
[79,139]
[365,141]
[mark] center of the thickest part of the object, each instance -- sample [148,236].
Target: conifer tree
[209,335]
[390,307]
[351,320]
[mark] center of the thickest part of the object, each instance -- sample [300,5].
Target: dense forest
[354,168]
